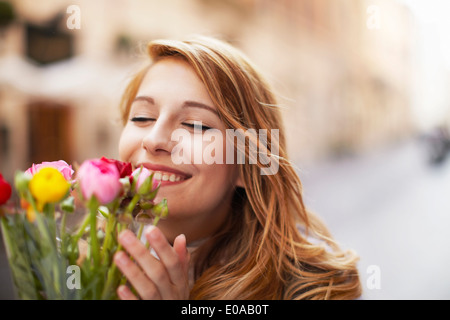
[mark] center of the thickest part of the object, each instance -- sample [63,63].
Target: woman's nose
[158,139]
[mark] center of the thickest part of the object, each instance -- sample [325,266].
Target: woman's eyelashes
[142,119]
[196,125]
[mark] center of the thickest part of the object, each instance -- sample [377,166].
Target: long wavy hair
[259,252]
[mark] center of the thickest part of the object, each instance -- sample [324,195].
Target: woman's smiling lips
[164,174]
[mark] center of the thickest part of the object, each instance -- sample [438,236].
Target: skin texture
[166,278]
[172,97]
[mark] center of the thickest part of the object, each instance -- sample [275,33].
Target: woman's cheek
[128,143]
[187,147]
[214,147]
[207,148]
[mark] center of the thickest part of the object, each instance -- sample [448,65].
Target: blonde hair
[259,253]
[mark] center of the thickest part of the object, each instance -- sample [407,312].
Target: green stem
[133,203]
[112,275]
[139,233]
[94,246]
[51,281]
[49,215]
[82,229]
[147,245]
[63,232]
[108,236]
[63,223]
[12,228]
[156,220]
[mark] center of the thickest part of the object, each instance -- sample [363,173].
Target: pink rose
[60,165]
[99,178]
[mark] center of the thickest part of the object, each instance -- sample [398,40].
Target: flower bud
[146,205]
[68,204]
[126,184]
[161,209]
[144,183]
[21,181]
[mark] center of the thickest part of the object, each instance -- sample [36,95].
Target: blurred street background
[363,88]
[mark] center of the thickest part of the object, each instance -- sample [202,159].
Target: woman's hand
[166,278]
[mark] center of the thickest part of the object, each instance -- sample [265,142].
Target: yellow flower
[48,185]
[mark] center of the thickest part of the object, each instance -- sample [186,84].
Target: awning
[78,77]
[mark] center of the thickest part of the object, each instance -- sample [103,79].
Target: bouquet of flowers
[47,259]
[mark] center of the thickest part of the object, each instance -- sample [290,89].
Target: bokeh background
[363,86]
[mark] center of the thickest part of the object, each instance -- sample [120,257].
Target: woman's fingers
[152,278]
[137,278]
[173,258]
[149,267]
[125,293]
[180,247]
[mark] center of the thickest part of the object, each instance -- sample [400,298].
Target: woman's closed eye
[142,119]
[196,126]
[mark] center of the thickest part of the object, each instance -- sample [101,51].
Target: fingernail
[151,232]
[120,258]
[126,238]
[185,241]
[183,237]
[123,291]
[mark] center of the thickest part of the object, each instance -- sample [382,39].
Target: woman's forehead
[173,80]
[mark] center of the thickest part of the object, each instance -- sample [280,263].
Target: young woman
[235,230]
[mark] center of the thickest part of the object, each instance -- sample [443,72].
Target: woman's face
[172,99]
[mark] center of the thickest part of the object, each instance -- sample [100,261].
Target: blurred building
[345,68]
[342,69]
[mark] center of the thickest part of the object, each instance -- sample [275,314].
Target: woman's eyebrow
[186,104]
[195,104]
[144,98]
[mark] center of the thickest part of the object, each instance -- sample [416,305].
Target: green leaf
[19,260]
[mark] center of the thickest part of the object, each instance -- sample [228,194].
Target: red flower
[124,168]
[5,190]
